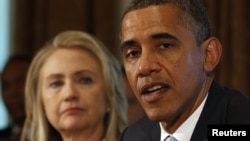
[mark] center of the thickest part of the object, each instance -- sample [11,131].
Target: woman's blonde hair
[37,127]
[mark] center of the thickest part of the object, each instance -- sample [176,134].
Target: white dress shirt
[184,132]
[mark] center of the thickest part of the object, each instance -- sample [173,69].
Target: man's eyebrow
[127,44]
[163,35]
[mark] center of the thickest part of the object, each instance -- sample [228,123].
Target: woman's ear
[212,52]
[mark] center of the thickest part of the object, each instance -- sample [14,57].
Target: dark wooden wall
[36,21]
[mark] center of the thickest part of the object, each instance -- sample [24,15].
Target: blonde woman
[74,92]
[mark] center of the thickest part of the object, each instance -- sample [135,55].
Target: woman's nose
[70,92]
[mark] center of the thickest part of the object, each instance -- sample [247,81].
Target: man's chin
[156,116]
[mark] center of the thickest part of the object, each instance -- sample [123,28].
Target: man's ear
[212,52]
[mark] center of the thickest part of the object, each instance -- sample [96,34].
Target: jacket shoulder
[143,130]
[235,104]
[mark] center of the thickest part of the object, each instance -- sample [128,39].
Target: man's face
[13,83]
[163,63]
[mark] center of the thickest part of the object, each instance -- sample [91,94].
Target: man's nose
[148,64]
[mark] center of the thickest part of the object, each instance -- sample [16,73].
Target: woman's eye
[86,80]
[55,84]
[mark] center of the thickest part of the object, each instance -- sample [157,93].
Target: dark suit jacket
[223,106]
[5,133]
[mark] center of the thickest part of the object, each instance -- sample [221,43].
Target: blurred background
[25,25]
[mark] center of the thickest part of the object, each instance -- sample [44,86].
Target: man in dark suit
[169,57]
[13,81]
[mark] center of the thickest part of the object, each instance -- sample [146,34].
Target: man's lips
[153,87]
[152,91]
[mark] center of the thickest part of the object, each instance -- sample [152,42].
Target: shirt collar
[184,132]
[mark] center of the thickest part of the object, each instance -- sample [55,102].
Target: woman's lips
[72,110]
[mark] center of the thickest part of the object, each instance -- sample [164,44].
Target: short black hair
[194,15]
[18,58]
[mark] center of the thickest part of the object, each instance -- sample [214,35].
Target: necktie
[170,138]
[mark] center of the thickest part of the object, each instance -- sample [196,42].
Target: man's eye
[86,80]
[132,53]
[165,45]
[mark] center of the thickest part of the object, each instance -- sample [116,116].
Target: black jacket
[223,106]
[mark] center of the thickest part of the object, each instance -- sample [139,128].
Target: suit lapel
[214,112]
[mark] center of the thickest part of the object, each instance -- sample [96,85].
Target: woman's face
[73,90]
